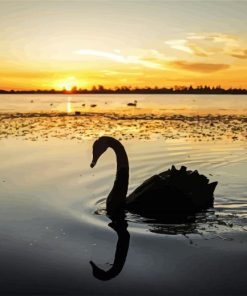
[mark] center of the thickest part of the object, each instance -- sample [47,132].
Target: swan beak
[92,164]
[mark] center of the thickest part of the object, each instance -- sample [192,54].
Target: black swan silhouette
[172,192]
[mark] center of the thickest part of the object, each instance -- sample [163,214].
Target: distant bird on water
[132,104]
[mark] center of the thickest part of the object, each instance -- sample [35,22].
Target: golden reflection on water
[68,106]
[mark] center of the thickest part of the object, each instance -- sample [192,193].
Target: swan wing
[173,190]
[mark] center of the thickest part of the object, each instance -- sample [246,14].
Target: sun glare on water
[68,107]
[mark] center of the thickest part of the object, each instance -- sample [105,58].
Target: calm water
[52,221]
[168,103]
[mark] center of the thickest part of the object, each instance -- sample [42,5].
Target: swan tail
[211,187]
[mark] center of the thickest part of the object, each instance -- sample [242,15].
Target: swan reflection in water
[170,226]
[118,224]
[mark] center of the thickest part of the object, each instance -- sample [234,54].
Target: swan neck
[121,155]
[117,197]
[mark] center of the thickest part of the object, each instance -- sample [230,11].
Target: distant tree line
[100,89]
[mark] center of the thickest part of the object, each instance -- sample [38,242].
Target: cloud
[116,57]
[242,54]
[198,67]
[213,37]
[208,44]
[119,73]
[179,44]
[26,74]
[197,50]
[188,47]
[155,55]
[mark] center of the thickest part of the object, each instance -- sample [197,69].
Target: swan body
[170,192]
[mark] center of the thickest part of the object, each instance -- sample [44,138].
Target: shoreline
[119,93]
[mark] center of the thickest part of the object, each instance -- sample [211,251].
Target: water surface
[52,220]
[186,104]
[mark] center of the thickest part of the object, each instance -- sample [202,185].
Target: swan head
[99,147]
[99,273]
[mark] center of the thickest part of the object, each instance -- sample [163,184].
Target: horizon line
[100,89]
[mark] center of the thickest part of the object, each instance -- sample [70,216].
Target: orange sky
[57,44]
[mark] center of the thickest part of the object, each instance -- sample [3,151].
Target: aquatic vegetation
[90,125]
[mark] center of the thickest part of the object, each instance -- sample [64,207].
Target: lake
[189,104]
[52,204]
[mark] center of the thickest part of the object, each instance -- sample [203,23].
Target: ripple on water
[218,222]
[221,163]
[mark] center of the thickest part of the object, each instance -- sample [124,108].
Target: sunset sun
[68,87]
[67,83]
